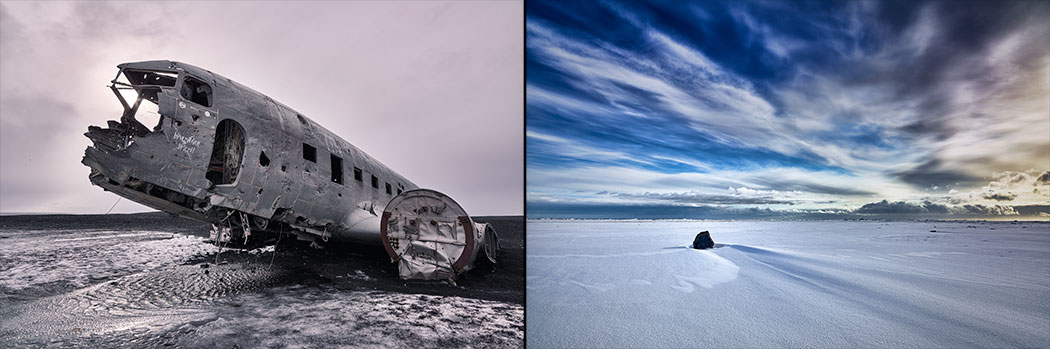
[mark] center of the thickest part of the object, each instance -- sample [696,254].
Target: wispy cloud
[822,106]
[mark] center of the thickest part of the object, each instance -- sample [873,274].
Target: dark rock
[703,240]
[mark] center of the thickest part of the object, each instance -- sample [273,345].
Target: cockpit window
[134,86]
[196,91]
[140,77]
[145,83]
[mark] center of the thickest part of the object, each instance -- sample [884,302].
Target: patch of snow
[29,259]
[294,316]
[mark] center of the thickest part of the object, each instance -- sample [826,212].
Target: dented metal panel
[231,156]
[432,237]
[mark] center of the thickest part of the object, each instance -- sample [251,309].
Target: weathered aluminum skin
[432,237]
[283,193]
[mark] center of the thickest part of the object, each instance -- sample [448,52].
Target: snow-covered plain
[787,284]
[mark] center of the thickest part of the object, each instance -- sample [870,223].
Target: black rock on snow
[703,240]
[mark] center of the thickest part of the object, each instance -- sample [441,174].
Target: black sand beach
[151,279]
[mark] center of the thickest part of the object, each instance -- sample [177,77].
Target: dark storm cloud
[1000,196]
[1033,210]
[932,173]
[963,50]
[963,29]
[936,208]
[885,207]
[989,210]
[901,207]
[933,128]
[1043,178]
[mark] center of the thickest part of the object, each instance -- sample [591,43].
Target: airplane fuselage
[221,147]
[225,154]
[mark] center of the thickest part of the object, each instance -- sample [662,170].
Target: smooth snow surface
[787,284]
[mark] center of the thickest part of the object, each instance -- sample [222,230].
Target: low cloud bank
[1000,196]
[901,207]
[1021,188]
[736,196]
[874,210]
[1043,178]
[929,208]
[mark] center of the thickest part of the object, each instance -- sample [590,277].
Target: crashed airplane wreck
[205,147]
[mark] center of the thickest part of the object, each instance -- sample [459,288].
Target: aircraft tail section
[432,237]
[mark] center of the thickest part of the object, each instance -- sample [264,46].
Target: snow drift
[794,284]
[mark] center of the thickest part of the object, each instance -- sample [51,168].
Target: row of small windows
[310,154]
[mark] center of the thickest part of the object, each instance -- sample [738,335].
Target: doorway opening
[226,153]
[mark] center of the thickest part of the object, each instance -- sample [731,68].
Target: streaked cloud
[829,107]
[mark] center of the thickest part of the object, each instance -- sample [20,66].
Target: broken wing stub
[432,237]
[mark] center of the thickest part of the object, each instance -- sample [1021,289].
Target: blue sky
[739,109]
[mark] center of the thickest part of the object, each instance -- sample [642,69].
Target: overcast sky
[424,87]
[924,107]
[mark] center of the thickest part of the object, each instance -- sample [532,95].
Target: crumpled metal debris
[432,237]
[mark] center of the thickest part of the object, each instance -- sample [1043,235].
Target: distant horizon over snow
[669,212]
